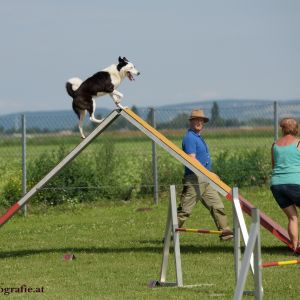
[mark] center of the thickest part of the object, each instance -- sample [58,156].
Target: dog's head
[127,68]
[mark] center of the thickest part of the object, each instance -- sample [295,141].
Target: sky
[186,51]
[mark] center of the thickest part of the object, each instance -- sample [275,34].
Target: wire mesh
[50,135]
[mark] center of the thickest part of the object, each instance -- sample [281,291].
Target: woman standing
[285,182]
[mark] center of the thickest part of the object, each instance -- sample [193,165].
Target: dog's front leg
[117,93]
[116,98]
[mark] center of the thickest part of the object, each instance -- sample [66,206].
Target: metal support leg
[258,289]
[237,240]
[241,221]
[166,250]
[253,243]
[171,226]
[176,237]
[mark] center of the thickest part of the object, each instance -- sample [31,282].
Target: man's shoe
[226,235]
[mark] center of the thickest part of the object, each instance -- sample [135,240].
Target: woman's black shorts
[286,194]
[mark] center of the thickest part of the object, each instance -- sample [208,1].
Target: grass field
[118,245]
[118,250]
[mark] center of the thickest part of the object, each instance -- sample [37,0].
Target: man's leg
[212,201]
[188,199]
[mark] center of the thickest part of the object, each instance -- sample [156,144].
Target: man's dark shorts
[286,194]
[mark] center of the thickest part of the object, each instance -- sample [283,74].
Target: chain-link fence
[122,154]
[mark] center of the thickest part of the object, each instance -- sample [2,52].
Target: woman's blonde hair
[289,126]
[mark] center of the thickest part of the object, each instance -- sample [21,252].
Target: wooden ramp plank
[74,153]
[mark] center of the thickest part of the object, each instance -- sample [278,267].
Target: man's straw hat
[198,113]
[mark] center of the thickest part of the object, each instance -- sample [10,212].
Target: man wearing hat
[196,187]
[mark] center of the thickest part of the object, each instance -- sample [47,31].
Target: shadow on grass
[143,246]
[85,250]
[282,250]
[222,247]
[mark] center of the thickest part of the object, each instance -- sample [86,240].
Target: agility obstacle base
[251,258]
[253,249]
[172,230]
[171,148]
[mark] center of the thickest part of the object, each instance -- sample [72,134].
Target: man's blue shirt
[194,143]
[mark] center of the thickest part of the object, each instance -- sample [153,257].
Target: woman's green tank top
[287,165]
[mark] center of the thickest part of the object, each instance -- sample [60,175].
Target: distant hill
[228,108]
[231,109]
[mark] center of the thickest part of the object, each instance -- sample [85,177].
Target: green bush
[243,168]
[12,191]
[105,174]
[101,175]
[170,171]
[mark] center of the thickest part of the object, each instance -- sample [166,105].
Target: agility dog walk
[172,149]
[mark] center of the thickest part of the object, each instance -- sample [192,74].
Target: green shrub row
[244,168]
[105,174]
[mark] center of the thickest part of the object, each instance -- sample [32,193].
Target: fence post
[24,178]
[154,159]
[275,120]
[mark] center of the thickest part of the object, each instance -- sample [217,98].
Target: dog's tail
[72,85]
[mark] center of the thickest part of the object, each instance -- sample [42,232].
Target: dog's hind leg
[92,113]
[80,125]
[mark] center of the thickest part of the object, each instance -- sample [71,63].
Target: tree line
[180,121]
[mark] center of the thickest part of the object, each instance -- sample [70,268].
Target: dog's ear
[120,59]
[125,59]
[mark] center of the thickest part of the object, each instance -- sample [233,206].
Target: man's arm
[192,155]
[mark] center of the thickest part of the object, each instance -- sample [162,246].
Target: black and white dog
[100,84]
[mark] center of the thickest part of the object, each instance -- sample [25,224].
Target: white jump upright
[239,227]
[170,231]
[253,247]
